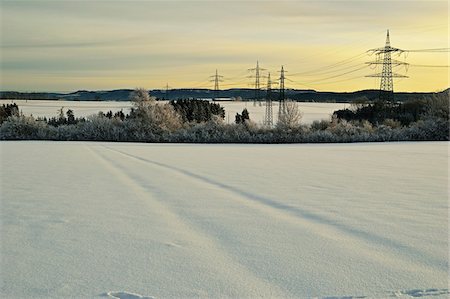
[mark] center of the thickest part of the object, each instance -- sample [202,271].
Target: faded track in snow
[213,257]
[163,220]
[325,227]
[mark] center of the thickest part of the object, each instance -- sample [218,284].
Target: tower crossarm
[385,49]
[258,68]
[393,62]
[394,75]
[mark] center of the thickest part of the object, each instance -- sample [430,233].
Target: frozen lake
[311,111]
[86,220]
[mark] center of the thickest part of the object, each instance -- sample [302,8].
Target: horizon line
[212,89]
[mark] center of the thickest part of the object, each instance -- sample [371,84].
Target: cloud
[69,44]
[186,40]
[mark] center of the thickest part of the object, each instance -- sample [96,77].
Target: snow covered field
[86,220]
[311,111]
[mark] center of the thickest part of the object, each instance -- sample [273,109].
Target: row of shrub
[153,122]
[101,128]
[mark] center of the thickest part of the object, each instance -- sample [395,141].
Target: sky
[100,45]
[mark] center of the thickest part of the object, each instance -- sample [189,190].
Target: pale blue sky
[70,45]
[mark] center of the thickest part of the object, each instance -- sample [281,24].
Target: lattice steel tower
[387,82]
[282,100]
[268,117]
[257,77]
[216,80]
[167,91]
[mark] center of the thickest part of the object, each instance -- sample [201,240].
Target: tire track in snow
[333,230]
[215,257]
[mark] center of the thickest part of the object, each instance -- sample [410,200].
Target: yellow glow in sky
[72,45]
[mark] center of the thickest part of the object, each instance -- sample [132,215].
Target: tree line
[203,122]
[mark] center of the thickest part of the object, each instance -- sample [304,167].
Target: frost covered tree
[70,117]
[163,117]
[291,118]
[151,116]
[7,111]
[141,100]
[197,110]
[438,106]
[243,117]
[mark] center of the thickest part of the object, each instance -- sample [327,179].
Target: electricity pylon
[268,117]
[387,82]
[282,99]
[167,91]
[216,80]
[257,77]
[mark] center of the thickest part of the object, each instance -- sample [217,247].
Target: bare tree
[291,118]
[141,99]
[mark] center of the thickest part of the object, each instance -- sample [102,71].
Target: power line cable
[333,71]
[334,65]
[436,50]
[428,65]
[339,75]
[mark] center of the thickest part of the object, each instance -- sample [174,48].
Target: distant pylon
[257,70]
[167,91]
[216,80]
[282,99]
[387,82]
[268,118]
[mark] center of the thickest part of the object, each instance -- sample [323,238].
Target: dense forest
[197,121]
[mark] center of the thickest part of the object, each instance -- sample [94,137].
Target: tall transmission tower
[387,82]
[257,77]
[268,117]
[216,80]
[282,99]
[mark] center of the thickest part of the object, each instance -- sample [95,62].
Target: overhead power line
[331,66]
[338,75]
[428,65]
[437,50]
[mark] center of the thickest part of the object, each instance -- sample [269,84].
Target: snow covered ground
[311,111]
[86,220]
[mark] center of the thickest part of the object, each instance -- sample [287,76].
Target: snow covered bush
[319,125]
[429,129]
[392,123]
[25,127]
[99,127]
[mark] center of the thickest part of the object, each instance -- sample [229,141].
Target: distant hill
[308,95]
